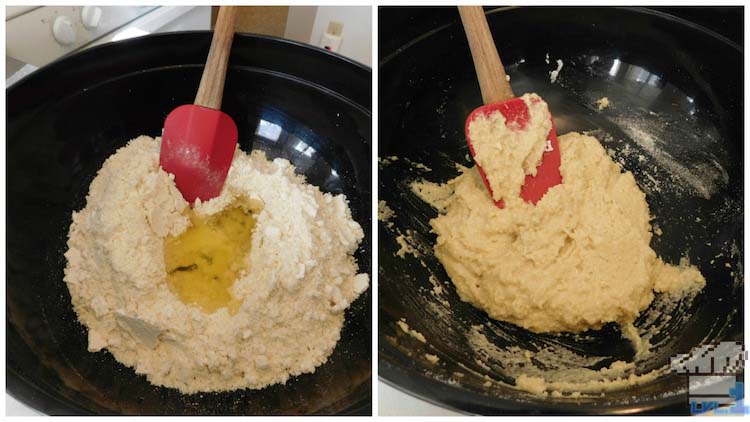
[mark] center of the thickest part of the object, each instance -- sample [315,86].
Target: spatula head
[197,146]
[517,117]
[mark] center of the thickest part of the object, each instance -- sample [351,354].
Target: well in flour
[204,261]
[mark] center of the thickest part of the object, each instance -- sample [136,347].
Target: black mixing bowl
[290,100]
[675,121]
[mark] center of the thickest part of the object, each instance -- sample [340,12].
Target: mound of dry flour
[301,277]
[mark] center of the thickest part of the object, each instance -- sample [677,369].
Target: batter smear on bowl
[578,259]
[242,291]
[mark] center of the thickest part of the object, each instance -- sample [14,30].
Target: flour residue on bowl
[384,161]
[408,330]
[555,370]
[656,137]
[385,213]
[602,103]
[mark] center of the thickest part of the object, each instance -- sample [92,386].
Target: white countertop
[393,402]
[14,407]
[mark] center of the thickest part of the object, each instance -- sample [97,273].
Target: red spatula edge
[516,115]
[200,167]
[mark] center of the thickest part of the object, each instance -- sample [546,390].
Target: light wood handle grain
[211,89]
[490,72]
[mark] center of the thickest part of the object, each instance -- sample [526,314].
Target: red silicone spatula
[498,96]
[198,141]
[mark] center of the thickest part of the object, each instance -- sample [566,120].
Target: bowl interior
[674,121]
[59,138]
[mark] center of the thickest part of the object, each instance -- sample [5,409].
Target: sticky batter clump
[602,103]
[518,154]
[577,260]
[280,288]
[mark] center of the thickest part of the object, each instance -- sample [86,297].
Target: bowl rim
[130,42]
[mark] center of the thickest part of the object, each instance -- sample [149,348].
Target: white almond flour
[301,274]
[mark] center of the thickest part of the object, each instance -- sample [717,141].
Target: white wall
[299,23]
[357,32]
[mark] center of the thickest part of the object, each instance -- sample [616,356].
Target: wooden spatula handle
[490,72]
[211,89]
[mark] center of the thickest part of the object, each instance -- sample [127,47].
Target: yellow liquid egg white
[203,262]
